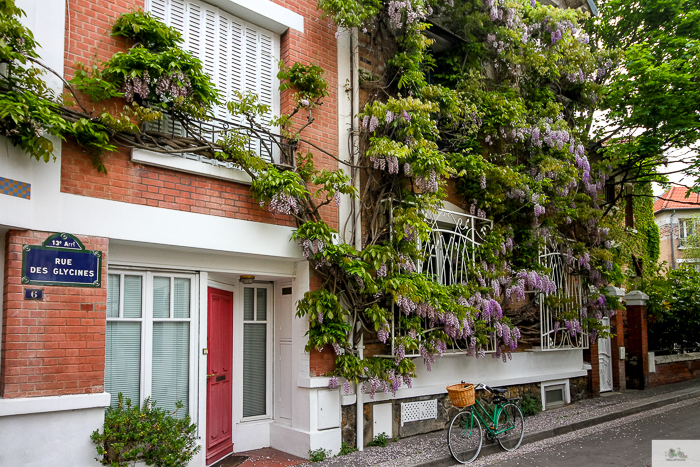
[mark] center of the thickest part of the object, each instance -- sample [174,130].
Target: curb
[488,449]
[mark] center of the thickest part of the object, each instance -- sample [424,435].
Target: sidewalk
[430,450]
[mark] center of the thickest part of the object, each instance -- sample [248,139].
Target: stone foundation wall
[445,409]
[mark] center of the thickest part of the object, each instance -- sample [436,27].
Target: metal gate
[605,361]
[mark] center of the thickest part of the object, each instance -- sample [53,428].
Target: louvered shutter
[238,56]
[159,9]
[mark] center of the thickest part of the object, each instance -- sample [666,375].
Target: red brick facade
[88,38]
[55,346]
[129,182]
[637,367]
[674,372]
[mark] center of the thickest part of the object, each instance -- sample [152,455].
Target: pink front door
[219,372]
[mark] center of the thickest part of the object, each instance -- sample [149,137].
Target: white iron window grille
[553,334]
[449,252]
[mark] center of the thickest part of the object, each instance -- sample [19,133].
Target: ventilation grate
[421,410]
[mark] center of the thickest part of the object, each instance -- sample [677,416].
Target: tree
[674,309]
[650,104]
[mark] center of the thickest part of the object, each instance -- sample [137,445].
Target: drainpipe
[355,147]
[673,253]
[360,416]
[357,221]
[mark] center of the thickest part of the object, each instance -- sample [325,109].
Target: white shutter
[194,29]
[177,16]
[222,74]
[236,61]
[238,56]
[252,76]
[267,64]
[159,9]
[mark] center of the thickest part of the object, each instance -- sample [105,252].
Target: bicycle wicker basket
[461,395]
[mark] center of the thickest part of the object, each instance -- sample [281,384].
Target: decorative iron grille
[570,292]
[449,252]
[269,146]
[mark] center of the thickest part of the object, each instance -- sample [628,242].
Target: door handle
[213,374]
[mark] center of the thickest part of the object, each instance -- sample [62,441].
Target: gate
[605,361]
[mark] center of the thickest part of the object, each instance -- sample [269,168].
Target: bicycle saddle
[498,390]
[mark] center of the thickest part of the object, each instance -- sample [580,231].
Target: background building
[676,216]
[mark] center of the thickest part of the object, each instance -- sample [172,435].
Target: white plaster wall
[525,367]
[47,22]
[55,438]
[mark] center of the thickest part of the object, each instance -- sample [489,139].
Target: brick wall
[88,40]
[675,372]
[55,346]
[637,363]
[591,355]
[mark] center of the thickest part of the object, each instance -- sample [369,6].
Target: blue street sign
[61,260]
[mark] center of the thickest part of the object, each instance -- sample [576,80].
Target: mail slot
[220,378]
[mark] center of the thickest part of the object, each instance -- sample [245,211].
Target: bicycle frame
[492,418]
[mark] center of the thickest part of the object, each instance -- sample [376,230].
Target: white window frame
[147,320]
[238,352]
[564,383]
[683,225]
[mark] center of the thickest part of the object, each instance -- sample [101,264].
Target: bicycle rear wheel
[464,437]
[510,418]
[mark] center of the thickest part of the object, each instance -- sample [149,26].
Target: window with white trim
[686,230]
[257,364]
[149,338]
[238,56]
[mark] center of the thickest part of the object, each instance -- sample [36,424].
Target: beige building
[675,213]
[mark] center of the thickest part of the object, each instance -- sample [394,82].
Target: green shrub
[149,434]
[318,455]
[530,405]
[345,448]
[381,440]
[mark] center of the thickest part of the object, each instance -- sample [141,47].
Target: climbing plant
[497,124]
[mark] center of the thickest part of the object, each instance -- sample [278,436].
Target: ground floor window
[256,351]
[150,332]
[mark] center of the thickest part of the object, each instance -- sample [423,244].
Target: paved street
[624,442]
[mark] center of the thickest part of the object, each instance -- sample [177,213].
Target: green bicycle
[506,425]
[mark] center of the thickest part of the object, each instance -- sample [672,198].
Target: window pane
[182,298]
[113,296]
[254,369]
[170,382]
[262,304]
[132,296]
[161,297]
[123,360]
[554,395]
[248,303]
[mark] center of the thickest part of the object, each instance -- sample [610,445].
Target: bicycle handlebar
[480,386]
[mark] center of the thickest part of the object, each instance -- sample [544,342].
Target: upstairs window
[238,56]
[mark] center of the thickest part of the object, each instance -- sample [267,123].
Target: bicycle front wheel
[511,420]
[464,437]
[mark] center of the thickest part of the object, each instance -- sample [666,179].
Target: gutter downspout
[673,253]
[357,220]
